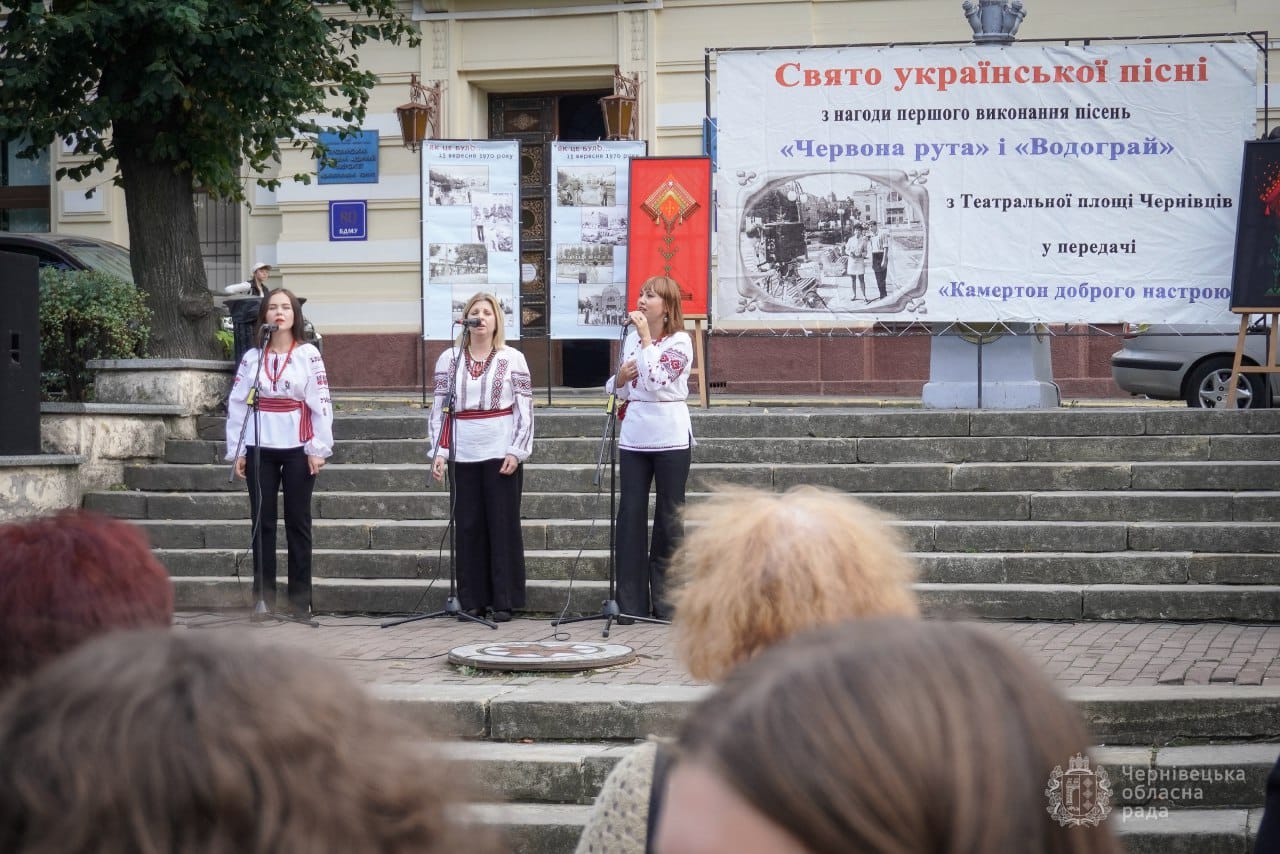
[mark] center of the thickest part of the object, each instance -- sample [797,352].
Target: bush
[86,314]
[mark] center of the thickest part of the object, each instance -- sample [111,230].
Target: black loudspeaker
[19,354]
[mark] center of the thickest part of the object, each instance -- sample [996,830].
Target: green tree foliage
[179,94]
[86,314]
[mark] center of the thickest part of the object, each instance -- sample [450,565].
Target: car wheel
[1207,387]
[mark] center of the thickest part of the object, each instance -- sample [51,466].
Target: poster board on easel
[1255,274]
[670,235]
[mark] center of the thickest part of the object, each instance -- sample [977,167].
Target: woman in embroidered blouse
[491,436]
[656,443]
[296,422]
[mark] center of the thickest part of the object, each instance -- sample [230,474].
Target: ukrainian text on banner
[671,227]
[588,277]
[470,241]
[1025,183]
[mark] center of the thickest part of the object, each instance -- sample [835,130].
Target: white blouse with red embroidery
[299,378]
[656,417]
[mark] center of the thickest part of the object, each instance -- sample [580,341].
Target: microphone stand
[261,613]
[609,610]
[452,607]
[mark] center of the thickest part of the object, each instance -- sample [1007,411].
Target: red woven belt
[469,415]
[306,431]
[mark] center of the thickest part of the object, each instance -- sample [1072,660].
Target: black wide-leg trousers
[287,467]
[490,544]
[642,565]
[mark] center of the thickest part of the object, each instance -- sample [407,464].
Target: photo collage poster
[470,235]
[588,265]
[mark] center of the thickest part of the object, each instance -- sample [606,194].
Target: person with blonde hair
[755,568]
[656,446]
[882,737]
[162,741]
[493,406]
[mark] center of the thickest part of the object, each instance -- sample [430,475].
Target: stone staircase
[1107,514]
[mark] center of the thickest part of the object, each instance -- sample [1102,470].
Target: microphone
[471,321]
[270,327]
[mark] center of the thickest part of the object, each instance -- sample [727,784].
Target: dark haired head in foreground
[880,737]
[168,742]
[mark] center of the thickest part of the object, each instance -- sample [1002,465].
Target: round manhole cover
[541,655]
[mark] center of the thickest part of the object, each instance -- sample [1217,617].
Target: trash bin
[244,324]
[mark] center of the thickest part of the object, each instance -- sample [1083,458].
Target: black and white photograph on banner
[458,263]
[604,225]
[603,305]
[587,186]
[491,217]
[584,263]
[461,293]
[454,185]
[836,241]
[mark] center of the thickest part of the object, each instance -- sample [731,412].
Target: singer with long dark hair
[491,439]
[296,418]
[655,444]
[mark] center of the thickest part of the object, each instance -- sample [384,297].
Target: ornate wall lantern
[994,21]
[420,118]
[620,108]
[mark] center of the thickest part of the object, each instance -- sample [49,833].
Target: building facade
[534,72]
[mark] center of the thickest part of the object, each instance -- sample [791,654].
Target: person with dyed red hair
[69,577]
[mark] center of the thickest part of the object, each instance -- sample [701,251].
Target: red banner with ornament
[669,227]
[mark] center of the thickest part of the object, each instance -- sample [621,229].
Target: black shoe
[625,621]
[502,616]
[478,613]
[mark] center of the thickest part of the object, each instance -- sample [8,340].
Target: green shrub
[86,314]
[228,341]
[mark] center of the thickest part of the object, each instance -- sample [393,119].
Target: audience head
[760,566]
[164,741]
[71,576]
[877,736]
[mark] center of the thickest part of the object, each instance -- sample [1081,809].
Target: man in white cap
[256,285]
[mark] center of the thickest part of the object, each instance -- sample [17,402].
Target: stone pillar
[1017,373]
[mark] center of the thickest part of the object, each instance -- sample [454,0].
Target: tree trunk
[164,244]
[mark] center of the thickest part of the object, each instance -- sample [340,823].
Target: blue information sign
[349,220]
[356,158]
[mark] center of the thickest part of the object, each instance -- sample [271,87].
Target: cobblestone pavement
[1083,654]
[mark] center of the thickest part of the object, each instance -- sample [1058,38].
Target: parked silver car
[1193,363]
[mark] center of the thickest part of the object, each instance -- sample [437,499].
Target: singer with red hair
[295,416]
[655,443]
[489,437]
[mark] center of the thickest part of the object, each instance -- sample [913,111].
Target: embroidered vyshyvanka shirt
[296,409]
[656,417]
[504,385]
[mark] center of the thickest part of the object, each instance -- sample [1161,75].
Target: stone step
[218,587]
[1226,775]
[548,710]
[1102,505]
[921,536]
[774,449]
[856,477]
[835,422]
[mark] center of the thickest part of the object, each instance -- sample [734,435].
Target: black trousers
[490,544]
[642,565]
[881,269]
[288,467]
